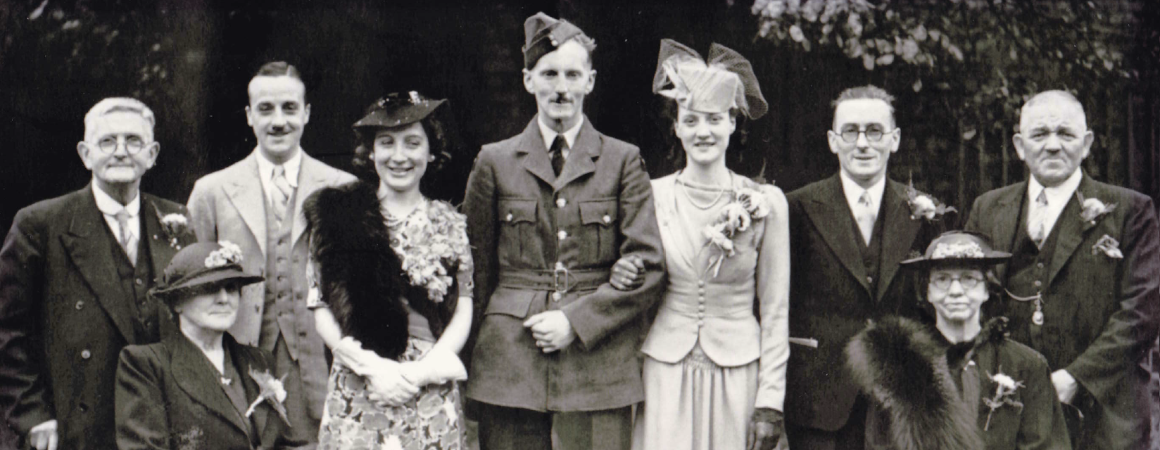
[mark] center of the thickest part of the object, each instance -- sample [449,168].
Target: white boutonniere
[271,390]
[1093,208]
[1110,246]
[173,225]
[924,205]
[748,206]
[1005,387]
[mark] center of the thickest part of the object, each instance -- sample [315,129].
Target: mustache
[563,98]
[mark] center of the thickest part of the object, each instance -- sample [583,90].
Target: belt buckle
[557,274]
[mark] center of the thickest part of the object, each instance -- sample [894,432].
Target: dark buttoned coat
[831,297]
[64,316]
[169,396]
[1100,312]
[522,218]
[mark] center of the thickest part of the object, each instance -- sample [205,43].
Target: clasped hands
[394,383]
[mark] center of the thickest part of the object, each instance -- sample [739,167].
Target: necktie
[281,194]
[557,153]
[1037,220]
[866,215]
[128,241]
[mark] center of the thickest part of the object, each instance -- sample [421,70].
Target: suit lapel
[898,233]
[579,162]
[535,155]
[1006,228]
[89,249]
[262,411]
[1071,228]
[160,252]
[831,215]
[310,178]
[197,377]
[245,192]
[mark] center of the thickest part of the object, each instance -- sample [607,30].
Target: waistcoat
[279,282]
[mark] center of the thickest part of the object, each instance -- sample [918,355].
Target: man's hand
[1065,385]
[626,273]
[43,436]
[551,330]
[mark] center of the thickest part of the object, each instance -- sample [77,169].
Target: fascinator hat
[718,84]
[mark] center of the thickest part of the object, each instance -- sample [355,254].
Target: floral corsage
[173,225]
[430,244]
[748,205]
[924,205]
[1005,387]
[1093,208]
[1109,246]
[271,390]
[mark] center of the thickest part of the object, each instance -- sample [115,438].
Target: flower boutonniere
[1110,246]
[173,224]
[924,205]
[271,391]
[748,205]
[1005,387]
[1093,208]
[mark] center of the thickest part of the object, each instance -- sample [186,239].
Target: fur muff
[900,366]
[360,275]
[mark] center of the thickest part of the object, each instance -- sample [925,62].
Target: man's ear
[896,136]
[832,140]
[154,149]
[1089,138]
[306,114]
[528,82]
[249,120]
[591,82]
[1017,139]
[83,150]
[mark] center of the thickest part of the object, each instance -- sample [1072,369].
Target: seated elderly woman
[200,389]
[963,386]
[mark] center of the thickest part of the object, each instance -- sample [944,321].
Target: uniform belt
[560,280]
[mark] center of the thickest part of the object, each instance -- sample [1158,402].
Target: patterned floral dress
[428,241]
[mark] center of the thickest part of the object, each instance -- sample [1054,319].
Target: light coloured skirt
[695,405]
[431,420]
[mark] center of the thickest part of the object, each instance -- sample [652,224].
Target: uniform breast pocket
[598,218]
[517,230]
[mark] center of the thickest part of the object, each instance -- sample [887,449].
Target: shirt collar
[854,191]
[111,207]
[266,167]
[549,134]
[1056,195]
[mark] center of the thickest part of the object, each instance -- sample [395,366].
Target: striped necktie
[1037,220]
[281,194]
[127,240]
[866,216]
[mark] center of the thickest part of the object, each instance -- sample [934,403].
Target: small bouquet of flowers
[429,244]
[271,390]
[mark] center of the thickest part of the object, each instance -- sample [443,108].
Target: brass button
[86,354]
[556,296]
[560,202]
[607,218]
[509,217]
[139,282]
[80,304]
[1039,265]
[869,279]
[562,235]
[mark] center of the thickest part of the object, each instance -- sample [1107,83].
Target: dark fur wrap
[901,367]
[361,276]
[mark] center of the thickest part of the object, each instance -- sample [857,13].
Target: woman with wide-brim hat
[199,388]
[963,385]
[392,271]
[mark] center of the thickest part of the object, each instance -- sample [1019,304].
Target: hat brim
[991,259]
[401,116]
[231,276]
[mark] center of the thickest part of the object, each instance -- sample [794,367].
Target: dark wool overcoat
[522,218]
[831,295]
[65,316]
[169,396]
[1100,312]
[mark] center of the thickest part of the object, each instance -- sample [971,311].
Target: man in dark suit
[847,234]
[1083,285]
[74,276]
[557,343]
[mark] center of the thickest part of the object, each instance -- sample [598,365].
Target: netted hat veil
[722,82]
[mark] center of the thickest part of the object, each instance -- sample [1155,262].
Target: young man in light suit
[848,234]
[549,211]
[1083,284]
[257,203]
[74,275]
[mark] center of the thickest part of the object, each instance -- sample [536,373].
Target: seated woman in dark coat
[200,389]
[965,386]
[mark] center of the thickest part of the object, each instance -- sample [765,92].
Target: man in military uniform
[549,212]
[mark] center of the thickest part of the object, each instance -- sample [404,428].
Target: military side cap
[542,34]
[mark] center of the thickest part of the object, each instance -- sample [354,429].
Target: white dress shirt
[110,207]
[1057,198]
[266,172]
[549,135]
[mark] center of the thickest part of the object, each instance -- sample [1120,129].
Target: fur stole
[898,363]
[361,278]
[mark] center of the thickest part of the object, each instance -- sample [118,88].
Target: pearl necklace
[720,193]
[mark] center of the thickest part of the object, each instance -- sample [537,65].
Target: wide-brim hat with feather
[958,248]
[201,266]
[715,85]
[360,276]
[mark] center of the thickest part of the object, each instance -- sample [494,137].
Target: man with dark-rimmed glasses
[848,234]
